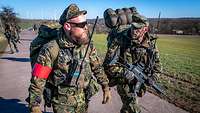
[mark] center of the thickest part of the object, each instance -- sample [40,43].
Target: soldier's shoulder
[51,48]
[51,45]
[38,41]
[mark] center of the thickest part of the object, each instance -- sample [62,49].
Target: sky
[52,9]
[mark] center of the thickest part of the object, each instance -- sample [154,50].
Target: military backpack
[45,35]
[124,16]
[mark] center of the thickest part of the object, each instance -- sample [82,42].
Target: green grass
[3,43]
[181,56]
[26,25]
[100,43]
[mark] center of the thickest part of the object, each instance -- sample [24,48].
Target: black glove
[142,90]
[132,80]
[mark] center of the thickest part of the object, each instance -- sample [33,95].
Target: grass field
[3,43]
[180,58]
[25,25]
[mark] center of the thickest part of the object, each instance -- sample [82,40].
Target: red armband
[41,71]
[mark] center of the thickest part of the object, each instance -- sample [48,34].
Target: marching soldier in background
[128,42]
[12,35]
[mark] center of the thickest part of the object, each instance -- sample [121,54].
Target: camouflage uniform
[45,34]
[66,97]
[61,55]
[130,51]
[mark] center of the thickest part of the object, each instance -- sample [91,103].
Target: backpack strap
[54,51]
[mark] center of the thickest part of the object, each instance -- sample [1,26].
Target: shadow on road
[25,39]
[12,106]
[16,59]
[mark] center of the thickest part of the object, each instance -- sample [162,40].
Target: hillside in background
[187,26]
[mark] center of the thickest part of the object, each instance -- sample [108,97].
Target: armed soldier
[67,66]
[128,45]
[12,35]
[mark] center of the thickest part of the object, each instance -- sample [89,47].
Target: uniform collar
[64,40]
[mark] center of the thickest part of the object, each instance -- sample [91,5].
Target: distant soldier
[18,30]
[34,27]
[12,36]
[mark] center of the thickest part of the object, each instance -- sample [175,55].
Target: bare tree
[8,16]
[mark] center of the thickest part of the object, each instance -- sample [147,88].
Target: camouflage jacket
[130,51]
[11,33]
[62,64]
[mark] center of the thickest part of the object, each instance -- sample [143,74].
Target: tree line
[187,26]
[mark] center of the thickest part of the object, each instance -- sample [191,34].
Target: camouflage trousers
[69,100]
[129,100]
[11,42]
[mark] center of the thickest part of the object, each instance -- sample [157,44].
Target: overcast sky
[52,9]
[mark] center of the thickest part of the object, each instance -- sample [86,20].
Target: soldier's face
[79,30]
[138,34]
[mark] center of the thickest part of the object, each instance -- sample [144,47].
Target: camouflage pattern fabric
[69,100]
[45,35]
[70,12]
[12,35]
[66,98]
[130,51]
[129,100]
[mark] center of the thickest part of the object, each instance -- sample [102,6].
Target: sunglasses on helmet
[80,25]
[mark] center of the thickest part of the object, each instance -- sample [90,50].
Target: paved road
[15,74]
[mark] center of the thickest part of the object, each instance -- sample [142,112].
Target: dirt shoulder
[181,93]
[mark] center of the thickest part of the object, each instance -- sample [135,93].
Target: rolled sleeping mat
[128,14]
[110,18]
[122,20]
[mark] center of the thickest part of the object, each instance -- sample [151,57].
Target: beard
[82,39]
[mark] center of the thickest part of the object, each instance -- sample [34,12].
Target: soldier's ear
[67,26]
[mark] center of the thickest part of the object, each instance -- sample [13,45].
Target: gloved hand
[142,90]
[106,95]
[36,109]
[129,75]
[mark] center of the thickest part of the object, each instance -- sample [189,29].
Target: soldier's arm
[112,70]
[40,73]
[97,68]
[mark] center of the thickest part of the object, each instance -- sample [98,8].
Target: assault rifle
[140,71]
[142,78]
